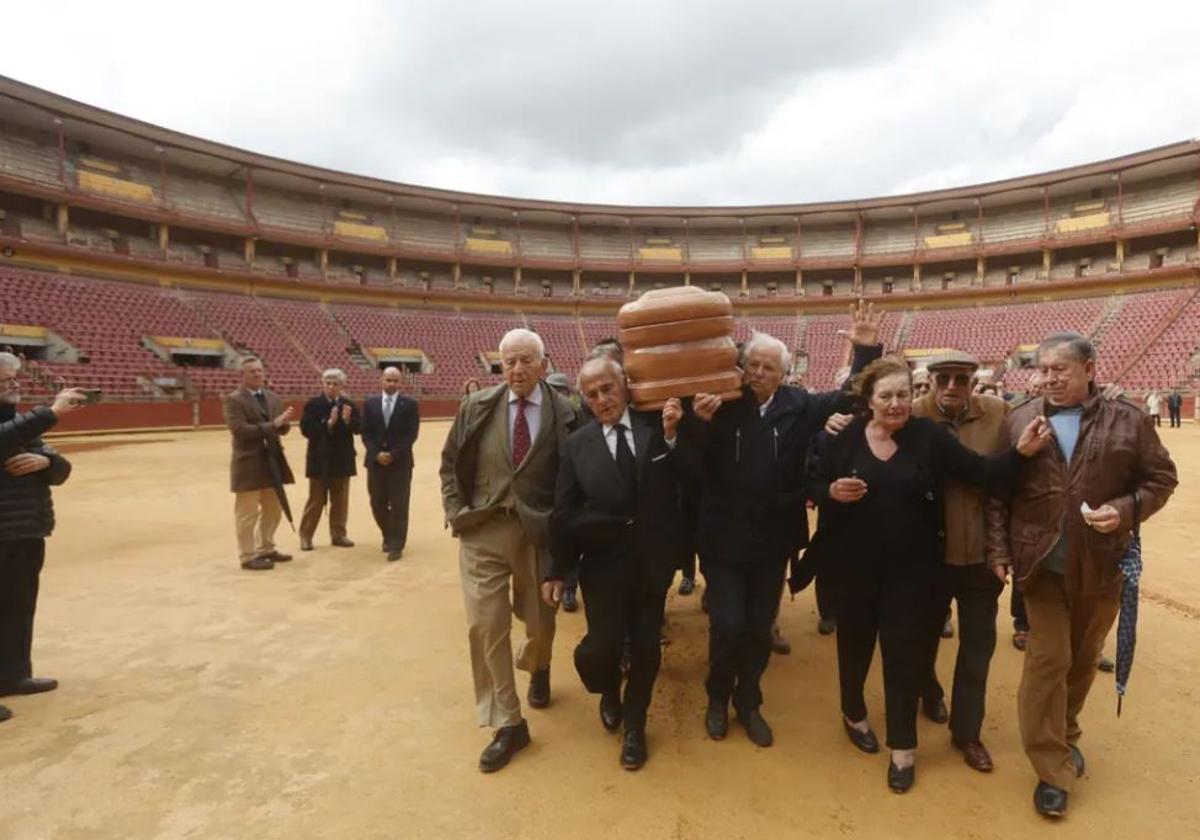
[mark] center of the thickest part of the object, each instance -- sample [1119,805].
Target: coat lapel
[643,433]
[607,465]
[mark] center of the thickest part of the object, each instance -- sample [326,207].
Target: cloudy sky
[642,102]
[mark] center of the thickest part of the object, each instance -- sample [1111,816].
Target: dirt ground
[331,697]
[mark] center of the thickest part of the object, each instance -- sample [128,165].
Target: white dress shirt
[762,408]
[610,435]
[533,413]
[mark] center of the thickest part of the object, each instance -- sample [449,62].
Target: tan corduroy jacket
[980,428]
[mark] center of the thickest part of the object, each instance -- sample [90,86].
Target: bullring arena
[331,697]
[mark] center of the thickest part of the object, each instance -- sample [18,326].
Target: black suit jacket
[331,452]
[595,521]
[396,437]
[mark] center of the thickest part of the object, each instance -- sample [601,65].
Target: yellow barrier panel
[102,165]
[360,231]
[22,331]
[916,353]
[771,252]
[396,352]
[171,341]
[948,240]
[661,254]
[115,187]
[489,246]
[1078,223]
[353,215]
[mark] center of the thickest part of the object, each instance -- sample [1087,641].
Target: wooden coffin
[679,342]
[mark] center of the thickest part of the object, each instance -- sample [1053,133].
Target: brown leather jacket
[1118,453]
[979,428]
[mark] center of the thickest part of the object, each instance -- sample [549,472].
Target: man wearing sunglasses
[977,420]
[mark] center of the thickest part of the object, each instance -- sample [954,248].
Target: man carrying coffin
[618,521]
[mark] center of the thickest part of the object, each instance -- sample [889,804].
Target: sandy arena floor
[331,697]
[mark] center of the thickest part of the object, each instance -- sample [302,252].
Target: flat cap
[558,380]
[953,358]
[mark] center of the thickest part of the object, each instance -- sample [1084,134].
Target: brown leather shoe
[258,564]
[976,755]
[279,557]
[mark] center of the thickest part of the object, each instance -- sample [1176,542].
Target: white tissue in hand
[1085,509]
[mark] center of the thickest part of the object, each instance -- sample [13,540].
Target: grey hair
[522,334]
[1079,346]
[766,341]
[599,360]
[9,360]
[335,373]
[245,360]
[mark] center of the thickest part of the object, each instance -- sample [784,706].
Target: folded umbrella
[273,452]
[1131,571]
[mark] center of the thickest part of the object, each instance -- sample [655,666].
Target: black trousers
[20,566]
[826,595]
[1157,420]
[743,600]
[690,502]
[895,611]
[389,488]
[619,603]
[1016,609]
[1175,421]
[977,591]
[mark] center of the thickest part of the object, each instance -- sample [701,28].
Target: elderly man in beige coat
[499,466]
[256,418]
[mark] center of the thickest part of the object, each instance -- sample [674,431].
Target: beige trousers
[1066,634]
[256,515]
[489,556]
[337,490]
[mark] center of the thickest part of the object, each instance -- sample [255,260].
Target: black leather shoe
[29,685]
[756,727]
[1049,800]
[306,544]
[865,741]
[610,711]
[827,626]
[935,710]
[570,602]
[716,720]
[900,781]
[633,749]
[506,741]
[687,586]
[394,554]
[779,644]
[343,542]
[1077,760]
[5,713]
[258,564]
[1106,665]
[539,689]
[279,557]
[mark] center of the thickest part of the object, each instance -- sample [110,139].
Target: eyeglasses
[959,379]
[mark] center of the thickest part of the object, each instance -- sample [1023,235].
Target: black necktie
[626,465]
[262,399]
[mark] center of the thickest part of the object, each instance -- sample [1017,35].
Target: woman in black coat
[879,486]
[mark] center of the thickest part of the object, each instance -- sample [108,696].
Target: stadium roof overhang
[43,111]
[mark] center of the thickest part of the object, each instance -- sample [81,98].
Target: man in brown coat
[976,420]
[1062,534]
[499,466]
[256,418]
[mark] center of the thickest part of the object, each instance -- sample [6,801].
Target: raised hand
[284,417]
[705,406]
[1034,437]
[864,324]
[671,414]
[68,400]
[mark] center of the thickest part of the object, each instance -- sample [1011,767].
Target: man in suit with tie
[256,418]
[498,469]
[330,423]
[390,427]
[618,519]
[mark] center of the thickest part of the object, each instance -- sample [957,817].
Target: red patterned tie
[520,440]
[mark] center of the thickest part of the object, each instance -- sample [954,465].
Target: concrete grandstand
[142,262]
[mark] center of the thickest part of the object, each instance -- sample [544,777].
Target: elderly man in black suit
[330,422]
[752,514]
[391,423]
[618,519]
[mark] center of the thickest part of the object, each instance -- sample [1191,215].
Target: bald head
[390,379]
